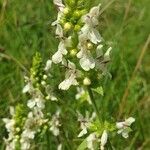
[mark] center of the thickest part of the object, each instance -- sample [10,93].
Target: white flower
[65,85]
[85,122]
[92,17]
[57,57]
[28,134]
[59,31]
[48,65]
[82,94]
[90,33]
[103,139]
[25,145]
[9,124]
[83,131]
[59,147]
[102,59]
[90,141]
[86,60]
[124,127]
[27,88]
[70,77]
[55,124]
[36,102]
[10,145]
[59,4]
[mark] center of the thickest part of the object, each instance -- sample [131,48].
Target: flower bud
[47,97]
[86,81]
[77,27]
[17,129]
[77,14]
[73,52]
[44,76]
[66,10]
[43,83]
[67,26]
[37,79]
[89,45]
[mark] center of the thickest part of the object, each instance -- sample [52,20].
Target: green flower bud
[43,82]
[17,129]
[17,137]
[73,52]
[47,97]
[89,45]
[62,21]
[67,26]
[77,27]
[45,127]
[44,76]
[77,14]
[37,79]
[66,10]
[86,81]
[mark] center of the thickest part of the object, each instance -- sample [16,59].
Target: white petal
[59,147]
[94,36]
[129,121]
[83,132]
[58,3]
[57,57]
[125,134]
[12,110]
[120,125]
[107,54]
[99,51]
[59,31]
[48,65]
[61,48]
[94,12]
[40,104]
[104,138]
[120,131]
[64,85]
[80,54]
[71,65]
[26,88]
[87,63]
[31,103]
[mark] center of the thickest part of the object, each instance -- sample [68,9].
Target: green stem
[97,112]
[48,140]
[94,105]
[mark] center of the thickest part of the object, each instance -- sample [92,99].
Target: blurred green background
[25,27]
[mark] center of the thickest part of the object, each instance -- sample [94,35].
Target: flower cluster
[10,126]
[98,133]
[80,51]
[84,43]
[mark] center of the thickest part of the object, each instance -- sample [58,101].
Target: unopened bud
[17,129]
[45,127]
[47,97]
[17,137]
[89,45]
[77,27]
[44,76]
[66,10]
[43,83]
[73,52]
[86,81]
[77,14]
[37,79]
[67,26]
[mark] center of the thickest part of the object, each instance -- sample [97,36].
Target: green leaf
[83,145]
[99,90]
